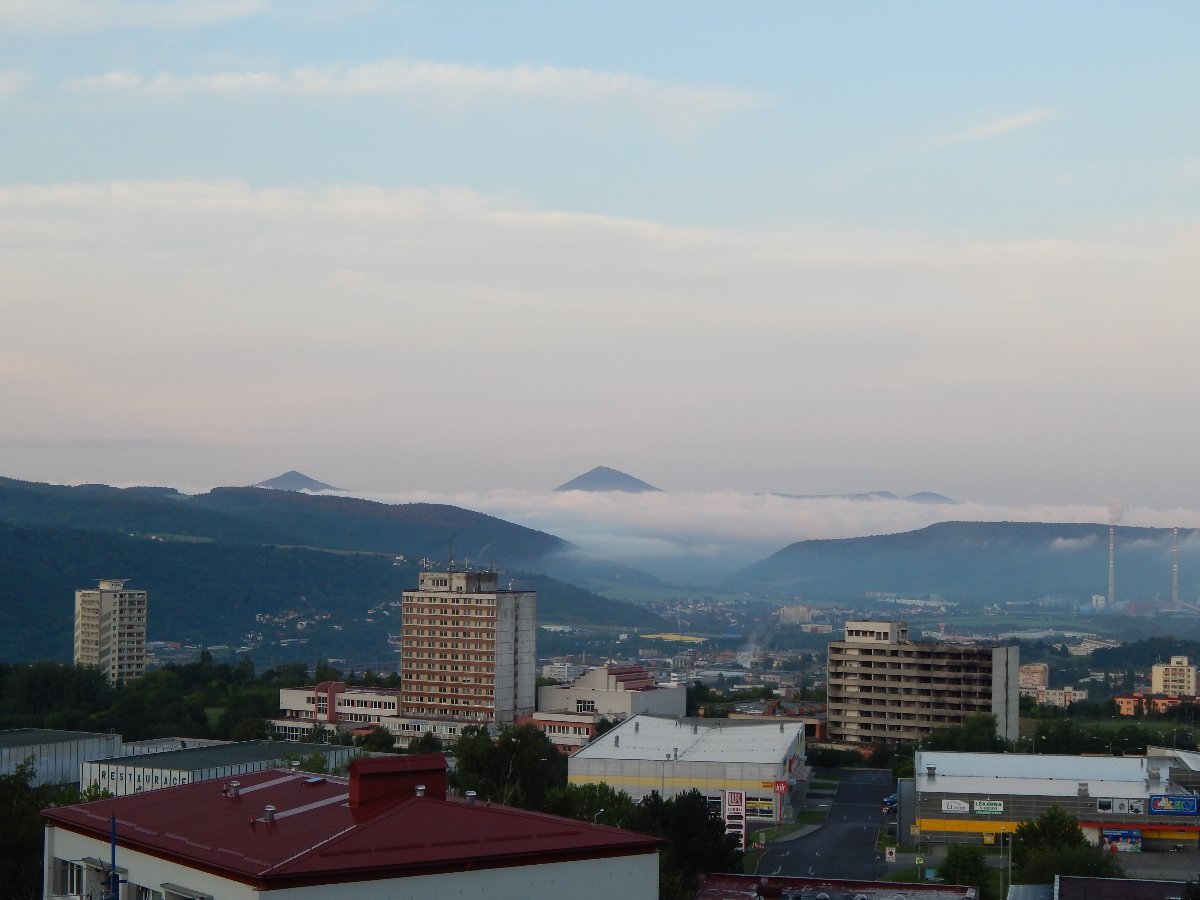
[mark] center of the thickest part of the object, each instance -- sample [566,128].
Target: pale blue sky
[780,246]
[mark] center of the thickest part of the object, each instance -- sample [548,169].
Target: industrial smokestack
[1175,568]
[1112,584]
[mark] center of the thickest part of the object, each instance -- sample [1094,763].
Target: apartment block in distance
[884,688]
[110,630]
[469,650]
[1175,677]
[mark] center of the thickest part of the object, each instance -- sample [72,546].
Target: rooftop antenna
[450,556]
[1175,568]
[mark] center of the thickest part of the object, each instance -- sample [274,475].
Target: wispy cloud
[55,16]
[447,83]
[12,81]
[998,127]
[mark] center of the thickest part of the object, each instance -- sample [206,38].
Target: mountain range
[213,561]
[980,563]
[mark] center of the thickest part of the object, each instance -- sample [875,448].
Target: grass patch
[910,875]
[214,715]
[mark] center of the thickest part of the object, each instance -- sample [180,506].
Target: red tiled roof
[317,836]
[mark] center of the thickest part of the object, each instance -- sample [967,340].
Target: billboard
[1121,806]
[989,807]
[1172,805]
[956,806]
[1121,840]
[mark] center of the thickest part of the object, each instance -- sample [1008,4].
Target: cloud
[13,81]
[427,82]
[265,320]
[1080,543]
[66,16]
[998,127]
[721,530]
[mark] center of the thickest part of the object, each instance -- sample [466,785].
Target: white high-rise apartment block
[469,651]
[110,630]
[1175,677]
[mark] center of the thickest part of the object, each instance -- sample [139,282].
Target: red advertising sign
[781,787]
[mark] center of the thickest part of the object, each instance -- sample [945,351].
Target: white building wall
[633,877]
[506,659]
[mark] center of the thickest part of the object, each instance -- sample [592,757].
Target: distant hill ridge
[981,563]
[602,478]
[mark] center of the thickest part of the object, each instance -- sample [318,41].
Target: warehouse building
[56,755]
[132,774]
[644,754]
[1126,804]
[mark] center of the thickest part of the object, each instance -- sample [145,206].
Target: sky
[475,249]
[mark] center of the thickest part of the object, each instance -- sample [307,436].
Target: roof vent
[616,740]
[931,771]
[471,796]
[419,790]
[1083,789]
[637,727]
[295,764]
[268,813]
[695,728]
[233,788]
[676,749]
[781,728]
[1155,773]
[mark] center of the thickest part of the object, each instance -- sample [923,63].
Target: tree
[518,768]
[696,841]
[428,742]
[1053,844]
[1191,891]
[21,830]
[380,740]
[965,864]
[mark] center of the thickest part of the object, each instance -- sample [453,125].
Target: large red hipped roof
[317,836]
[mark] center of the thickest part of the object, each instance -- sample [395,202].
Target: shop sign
[989,807]
[1172,805]
[956,806]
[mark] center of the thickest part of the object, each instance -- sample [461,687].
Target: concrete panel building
[334,706]
[1176,677]
[468,649]
[884,688]
[387,832]
[132,774]
[616,692]
[110,630]
[645,754]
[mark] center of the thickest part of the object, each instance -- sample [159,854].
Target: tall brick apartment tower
[469,650]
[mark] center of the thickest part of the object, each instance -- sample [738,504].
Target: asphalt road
[844,845]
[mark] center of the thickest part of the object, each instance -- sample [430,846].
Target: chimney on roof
[268,813]
[931,771]
[419,790]
[383,778]
[233,788]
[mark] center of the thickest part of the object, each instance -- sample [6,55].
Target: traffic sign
[891,854]
[920,861]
